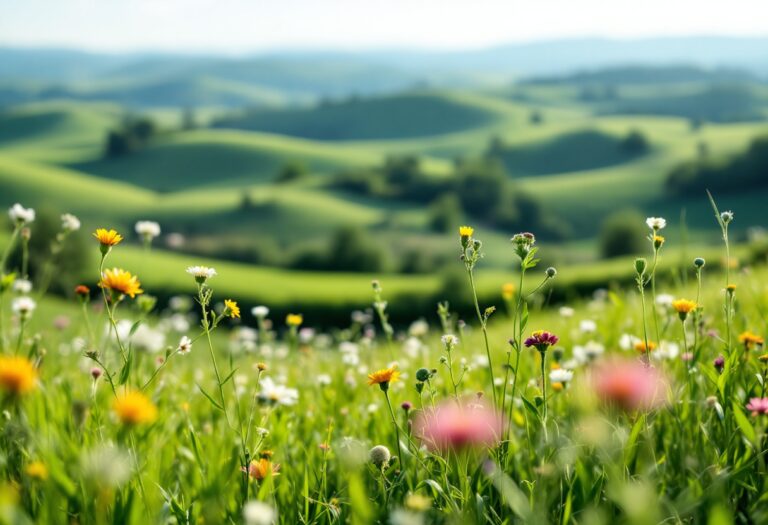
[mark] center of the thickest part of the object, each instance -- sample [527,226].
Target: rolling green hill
[402,116]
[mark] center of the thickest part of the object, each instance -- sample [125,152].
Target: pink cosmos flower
[758,405]
[629,385]
[456,426]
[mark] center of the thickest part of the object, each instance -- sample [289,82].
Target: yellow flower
[383,376]
[262,468]
[294,319]
[466,231]
[118,280]
[763,358]
[508,291]
[658,240]
[36,470]
[748,339]
[683,306]
[418,502]
[17,375]
[231,308]
[731,288]
[641,348]
[108,237]
[134,408]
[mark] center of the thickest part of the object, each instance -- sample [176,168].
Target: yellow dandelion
[134,408]
[37,470]
[508,291]
[108,237]
[383,376]
[466,231]
[658,240]
[294,319]
[263,468]
[121,281]
[17,375]
[749,339]
[763,358]
[731,288]
[641,348]
[683,307]
[231,308]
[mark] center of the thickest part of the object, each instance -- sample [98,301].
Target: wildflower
[726,216]
[641,348]
[185,345]
[107,239]
[422,374]
[260,312]
[749,339]
[70,223]
[719,363]
[379,455]
[699,262]
[82,291]
[134,408]
[383,377]
[541,340]
[37,470]
[261,366]
[201,273]
[629,385]
[449,340]
[259,513]
[148,230]
[588,352]
[658,241]
[465,233]
[730,288]
[418,502]
[640,265]
[17,375]
[656,223]
[758,406]
[763,358]
[231,309]
[665,299]
[121,281]
[566,311]
[324,379]
[453,426]
[277,394]
[262,468]
[294,319]
[21,215]
[22,286]
[560,375]
[508,291]
[96,373]
[406,406]
[587,326]
[523,243]
[551,272]
[23,306]
[683,307]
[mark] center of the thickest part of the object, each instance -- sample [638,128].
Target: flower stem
[485,333]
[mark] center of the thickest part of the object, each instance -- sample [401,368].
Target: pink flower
[758,405]
[629,385]
[456,426]
[542,340]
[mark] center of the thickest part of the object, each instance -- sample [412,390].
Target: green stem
[397,428]
[485,334]
[9,248]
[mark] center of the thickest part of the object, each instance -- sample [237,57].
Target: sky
[246,26]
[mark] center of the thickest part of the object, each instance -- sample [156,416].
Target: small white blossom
[588,326]
[664,299]
[70,223]
[23,306]
[185,345]
[560,375]
[21,215]
[22,286]
[260,312]
[323,379]
[277,394]
[201,272]
[656,223]
[450,340]
[259,513]
[418,328]
[628,341]
[566,311]
[148,229]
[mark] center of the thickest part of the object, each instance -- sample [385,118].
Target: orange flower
[17,375]
[383,377]
[683,307]
[108,237]
[262,468]
[119,280]
[641,348]
[749,339]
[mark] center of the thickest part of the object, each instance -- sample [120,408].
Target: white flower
[667,350]
[260,312]
[106,466]
[628,341]
[726,216]
[185,345]
[664,299]
[323,379]
[178,323]
[144,337]
[21,215]
[361,317]
[22,286]
[201,272]
[450,340]
[560,375]
[70,223]
[589,352]
[656,223]
[278,394]
[566,311]
[588,326]
[179,303]
[148,229]
[259,513]
[23,305]
[418,328]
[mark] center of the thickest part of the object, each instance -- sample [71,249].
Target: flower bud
[551,272]
[640,265]
[699,262]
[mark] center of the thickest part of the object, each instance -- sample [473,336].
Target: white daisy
[185,345]
[201,273]
[21,215]
[148,230]
[560,375]
[277,394]
[70,223]
[656,223]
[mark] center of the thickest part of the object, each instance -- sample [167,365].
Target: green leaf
[630,449]
[213,402]
[744,425]
[530,406]
[125,371]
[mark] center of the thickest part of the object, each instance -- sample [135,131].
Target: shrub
[622,234]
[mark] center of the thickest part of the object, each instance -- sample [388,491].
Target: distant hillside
[403,116]
[647,74]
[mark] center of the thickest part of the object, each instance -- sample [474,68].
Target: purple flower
[758,405]
[541,340]
[719,363]
[406,405]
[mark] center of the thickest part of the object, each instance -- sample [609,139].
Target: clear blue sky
[242,26]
